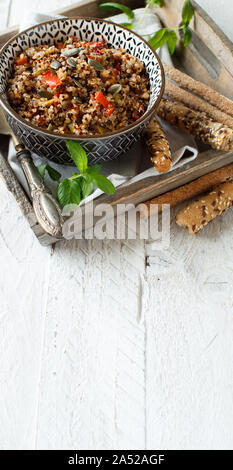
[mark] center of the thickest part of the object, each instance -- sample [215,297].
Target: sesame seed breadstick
[213,133]
[210,95]
[198,104]
[188,191]
[158,147]
[200,213]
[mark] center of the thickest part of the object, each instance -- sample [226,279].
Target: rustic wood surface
[110,344]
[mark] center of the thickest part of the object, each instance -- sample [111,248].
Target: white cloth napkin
[124,170]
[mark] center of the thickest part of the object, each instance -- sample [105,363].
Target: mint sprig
[80,185]
[164,35]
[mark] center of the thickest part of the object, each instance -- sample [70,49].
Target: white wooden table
[100,351]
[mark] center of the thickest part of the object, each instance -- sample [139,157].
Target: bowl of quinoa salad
[80,79]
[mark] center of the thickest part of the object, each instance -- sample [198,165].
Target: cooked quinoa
[79,87]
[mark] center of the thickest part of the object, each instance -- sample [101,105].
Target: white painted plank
[92,383]
[89,375]
[189,317]
[23,292]
[221,12]
[4,9]
[19,7]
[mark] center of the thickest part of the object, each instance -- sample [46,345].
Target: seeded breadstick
[158,147]
[193,189]
[199,213]
[192,101]
[210,95]
[213,133]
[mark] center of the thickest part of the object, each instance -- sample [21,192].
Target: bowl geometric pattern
[54,148]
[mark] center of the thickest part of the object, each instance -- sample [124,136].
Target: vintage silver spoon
[47,209]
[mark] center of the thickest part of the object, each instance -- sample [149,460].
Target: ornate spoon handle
[47,209]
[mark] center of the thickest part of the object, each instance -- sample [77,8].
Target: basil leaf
[127,25]
[159,38]
[187,38]
[54,174]
[119,6]
[187,12]
[103,183]
[69,192]
[78,155]
[171,41]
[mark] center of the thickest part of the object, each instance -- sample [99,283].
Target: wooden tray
[208,59]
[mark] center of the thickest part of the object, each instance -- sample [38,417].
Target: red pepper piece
[101,99]
[51,79]
[22,60]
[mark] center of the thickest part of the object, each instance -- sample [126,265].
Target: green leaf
[187,38]
[119,6]
[93,168]
[171,41]
[159,38]
[158,3]
[103,183]
[87,187]
[41,169]
[78,155]
[69,192]
[54,174]
[187,12]
[127,25]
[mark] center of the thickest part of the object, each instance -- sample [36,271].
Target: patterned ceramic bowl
[99,147]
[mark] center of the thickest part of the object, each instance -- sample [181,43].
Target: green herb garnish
[187,13]
[164,35]
[77,187]
[118,6]
[54,174]
[127,25]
